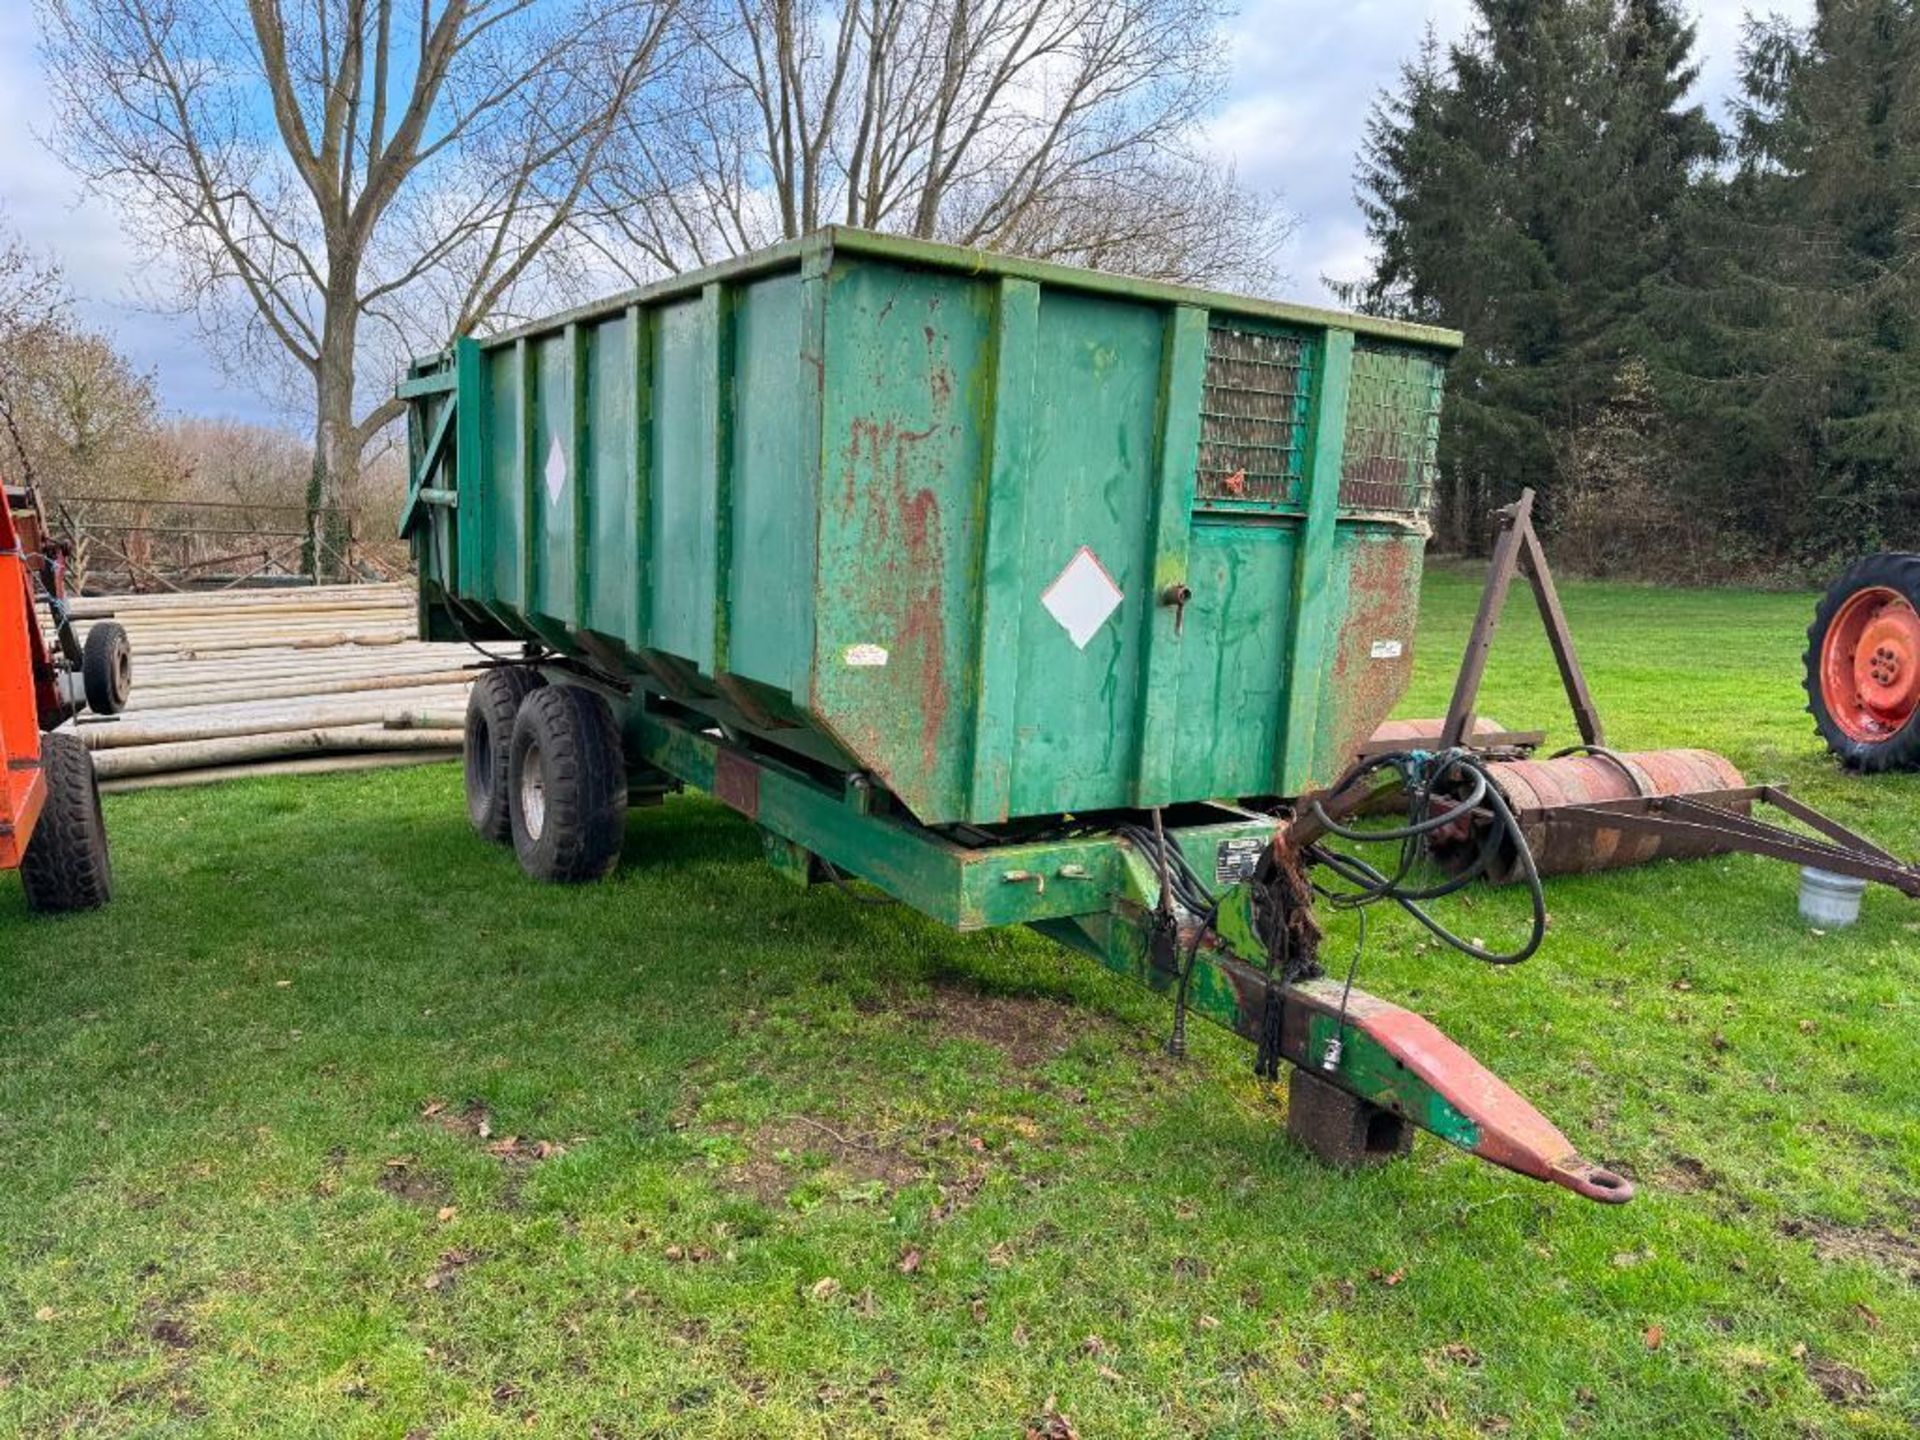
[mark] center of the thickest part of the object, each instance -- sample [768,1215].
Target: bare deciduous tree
[73,413]
[33,306]
[334,180]
[1064,129]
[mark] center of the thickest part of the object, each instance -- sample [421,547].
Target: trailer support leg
[1340,1128]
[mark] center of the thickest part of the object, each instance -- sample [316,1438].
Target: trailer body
[1013,539]
[25,681]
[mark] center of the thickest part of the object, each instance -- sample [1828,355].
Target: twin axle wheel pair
[545,771]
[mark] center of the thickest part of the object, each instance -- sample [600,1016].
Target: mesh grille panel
[1253,416]
[1393,429]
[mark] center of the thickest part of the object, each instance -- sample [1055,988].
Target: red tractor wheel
[1863,664]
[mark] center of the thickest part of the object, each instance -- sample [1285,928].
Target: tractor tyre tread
[585,773]
[493,705]
[1901,750]
[66,867]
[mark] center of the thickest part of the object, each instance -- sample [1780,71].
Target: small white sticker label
[1386,650]
[865,655]
[1082,596]
[556,470]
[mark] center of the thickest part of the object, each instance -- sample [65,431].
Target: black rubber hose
[1374,886]
[1419,827]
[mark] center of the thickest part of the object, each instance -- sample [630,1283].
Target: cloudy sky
[1304,73]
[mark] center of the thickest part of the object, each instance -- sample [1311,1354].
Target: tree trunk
[336,446]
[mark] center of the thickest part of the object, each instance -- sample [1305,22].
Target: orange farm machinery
[50,823]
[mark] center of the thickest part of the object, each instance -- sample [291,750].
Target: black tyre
[568,788]
[66,866]
[106,668]
[1863,664]
[492,706]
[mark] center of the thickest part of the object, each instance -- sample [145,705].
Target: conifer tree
[1795,335]
[1526,184]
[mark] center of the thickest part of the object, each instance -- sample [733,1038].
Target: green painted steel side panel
[996,680]
[683,539]
[1234,668]
[503,516]
[1170,551]
[902,495]
[1096,413]
[553,453]
[828,494]
[612,480]
[1305,761]
[773,527]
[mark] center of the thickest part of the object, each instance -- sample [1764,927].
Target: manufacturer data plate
[1236,860]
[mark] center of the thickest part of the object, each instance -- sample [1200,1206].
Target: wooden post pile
[267,682]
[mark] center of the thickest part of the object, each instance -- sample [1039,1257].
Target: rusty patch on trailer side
[736,783]
[893,597]
[1373,652]
[926,625]
[893,625]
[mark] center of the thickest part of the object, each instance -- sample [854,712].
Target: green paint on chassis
[1097,895]
[801,520]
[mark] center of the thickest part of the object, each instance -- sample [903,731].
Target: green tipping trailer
[1025,593]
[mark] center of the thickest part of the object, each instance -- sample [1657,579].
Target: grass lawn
[334,1125]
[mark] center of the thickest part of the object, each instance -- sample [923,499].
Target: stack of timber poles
[275,682]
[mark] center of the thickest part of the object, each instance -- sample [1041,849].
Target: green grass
[226,1210]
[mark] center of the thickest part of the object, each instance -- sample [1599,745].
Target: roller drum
[1535,789]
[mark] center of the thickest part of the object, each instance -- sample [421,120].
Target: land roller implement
[1593,807]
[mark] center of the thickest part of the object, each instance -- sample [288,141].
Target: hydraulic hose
[1423,773]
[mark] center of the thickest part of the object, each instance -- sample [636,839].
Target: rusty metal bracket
[1519,542]
[1707,816]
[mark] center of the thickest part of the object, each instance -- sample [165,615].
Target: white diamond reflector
[1082,596]
[556,471]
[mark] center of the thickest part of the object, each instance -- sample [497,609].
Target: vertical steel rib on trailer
[949,570]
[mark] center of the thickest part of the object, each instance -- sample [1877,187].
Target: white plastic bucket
[1829,901]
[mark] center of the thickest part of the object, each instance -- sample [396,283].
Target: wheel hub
[1870,664]
[533,794]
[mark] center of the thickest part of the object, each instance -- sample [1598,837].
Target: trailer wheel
[66,866]
[106,668]
[568,786]
[492,706]
[1863,664]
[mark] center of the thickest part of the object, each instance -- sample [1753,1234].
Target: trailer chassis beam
[1366,1068]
